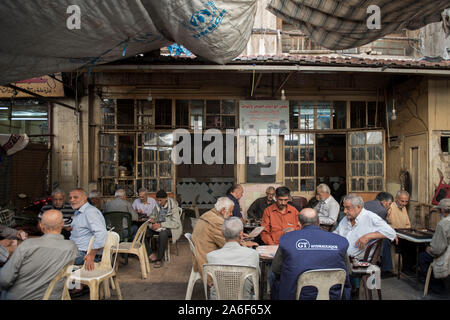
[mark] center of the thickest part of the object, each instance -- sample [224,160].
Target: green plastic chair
[115,220]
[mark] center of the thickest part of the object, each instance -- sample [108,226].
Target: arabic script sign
[43,86]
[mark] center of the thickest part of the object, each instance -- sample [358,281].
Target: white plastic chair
[194,275]
[103,271]
[229,280]
[323,280]
[137,247]
[62,274]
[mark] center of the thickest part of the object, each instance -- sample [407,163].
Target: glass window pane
[307,170]
[375,137]
[149,153]
[107,154]
[182,113]
[339,114]
[291,154]
[307,185]
[150,139]
[228,122]
[165,139]
[358,169]
[108,121]
[294,113]
[165,169]
[197,107]
[213,107]
[375,153]
[375,184]
[151,185]
[306,139]
[358,154]
[307,115]
[109,187]
[358,138]
[163,113]
[166,185]
[291,140]
[323,114]
[375,169]
[149,170]
[358,114]
[229,107]
[306,154]
[107,140]
[107,169]
[125,113]
[164,154]
[291,170]
[358,184]
[292,184]
[213,121]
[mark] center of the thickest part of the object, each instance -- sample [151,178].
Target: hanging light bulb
[394,116]
[283,95]
[149,97]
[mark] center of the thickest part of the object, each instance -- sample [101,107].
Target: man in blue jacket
[309,248]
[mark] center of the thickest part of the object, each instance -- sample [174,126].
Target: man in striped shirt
[59,203]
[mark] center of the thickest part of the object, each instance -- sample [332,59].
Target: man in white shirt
[233,253]
[144,205]
[327,208]
[361,226]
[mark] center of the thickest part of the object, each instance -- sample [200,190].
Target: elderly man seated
[59,203]
[233,253]
[120,204]
[34,264]
[439,245]
[327,208]
[256,209]
[145,204]
[207,235]
[166,223]
[324,250]
[361,226]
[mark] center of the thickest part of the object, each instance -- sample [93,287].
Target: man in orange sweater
[279,218]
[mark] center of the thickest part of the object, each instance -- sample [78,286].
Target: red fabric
[274,222]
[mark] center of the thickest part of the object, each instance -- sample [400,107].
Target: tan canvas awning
[342,24]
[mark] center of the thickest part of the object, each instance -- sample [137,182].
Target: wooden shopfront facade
[338,120]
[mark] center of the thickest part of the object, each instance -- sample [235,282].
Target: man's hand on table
[249,244]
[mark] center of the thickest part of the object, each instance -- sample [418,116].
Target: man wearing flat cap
[438,245]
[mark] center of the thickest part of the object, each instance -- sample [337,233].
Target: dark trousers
[162,243]
[425,259]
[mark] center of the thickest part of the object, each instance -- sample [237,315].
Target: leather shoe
[75,293]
